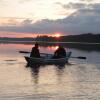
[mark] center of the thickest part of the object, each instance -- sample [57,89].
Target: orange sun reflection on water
[53,48]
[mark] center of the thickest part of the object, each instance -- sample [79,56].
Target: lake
[77,80]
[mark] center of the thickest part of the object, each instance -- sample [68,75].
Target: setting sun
[57,35]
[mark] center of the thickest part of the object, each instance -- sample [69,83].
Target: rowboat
[47,59]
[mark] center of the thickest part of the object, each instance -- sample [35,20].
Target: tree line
[89,37]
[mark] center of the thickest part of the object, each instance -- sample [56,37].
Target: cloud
[79,5]
[3,2]
[74,6]
[27,22]
[82,21]
[23,1]
[95,6]
[87,0]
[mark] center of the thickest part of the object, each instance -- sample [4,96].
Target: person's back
[35,51]
[60,53]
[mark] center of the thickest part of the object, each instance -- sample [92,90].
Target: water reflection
[59,73]
[35,74]
[34,71]
[60,66]
[79,46]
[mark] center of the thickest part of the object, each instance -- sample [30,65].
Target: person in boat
[35,51]
[60,52]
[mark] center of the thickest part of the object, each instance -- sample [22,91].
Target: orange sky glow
[29,35]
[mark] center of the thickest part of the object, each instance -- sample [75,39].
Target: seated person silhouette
[35,51]
[60,52]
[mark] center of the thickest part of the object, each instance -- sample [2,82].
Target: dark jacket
[60,53]
[35,52]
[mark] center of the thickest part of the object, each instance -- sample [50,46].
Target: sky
[22,18]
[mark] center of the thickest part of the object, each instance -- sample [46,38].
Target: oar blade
[24,52]
[81,57]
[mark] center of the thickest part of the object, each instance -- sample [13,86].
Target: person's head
[60,46]
[36,45]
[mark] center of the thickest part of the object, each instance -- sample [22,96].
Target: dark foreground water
[77,80]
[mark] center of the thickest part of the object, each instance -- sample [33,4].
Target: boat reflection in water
[36,70]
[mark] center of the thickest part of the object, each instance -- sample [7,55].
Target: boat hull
[47,60]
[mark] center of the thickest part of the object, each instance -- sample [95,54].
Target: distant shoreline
[46,42]
[82,39]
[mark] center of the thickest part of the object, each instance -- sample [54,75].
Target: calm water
[78,80]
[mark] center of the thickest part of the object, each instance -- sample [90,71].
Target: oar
[24,52]
[79,57]
[40,53]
